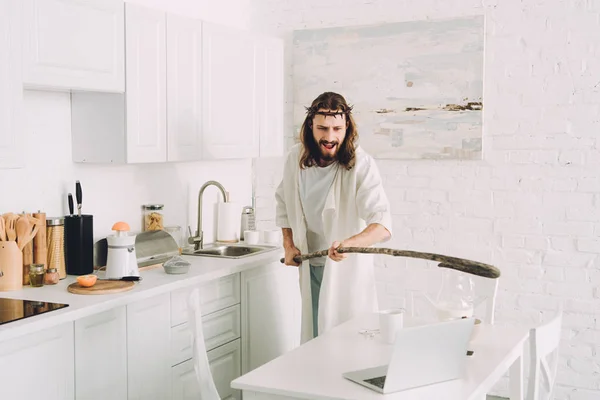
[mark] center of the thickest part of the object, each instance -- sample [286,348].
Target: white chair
[208,390]
[544,349]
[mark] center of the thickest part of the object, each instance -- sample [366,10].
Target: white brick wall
[531,206]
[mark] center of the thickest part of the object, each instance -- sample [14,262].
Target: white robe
[355,200]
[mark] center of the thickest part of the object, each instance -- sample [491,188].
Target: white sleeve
[371,200]
[281,215]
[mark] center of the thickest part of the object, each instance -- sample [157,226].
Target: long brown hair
[310,149]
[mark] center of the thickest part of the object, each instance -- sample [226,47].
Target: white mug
[390,322]
[251,237]
[272,237]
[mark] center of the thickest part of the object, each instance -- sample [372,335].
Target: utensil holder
[79,244]
[11,265]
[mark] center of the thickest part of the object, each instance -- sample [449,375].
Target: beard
[328,150]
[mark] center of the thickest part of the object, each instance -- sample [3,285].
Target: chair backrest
[544,348]
[208,390]
[486,290]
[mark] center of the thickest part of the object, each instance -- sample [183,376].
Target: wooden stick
[459,264]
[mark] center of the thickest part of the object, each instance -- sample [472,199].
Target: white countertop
[154,282]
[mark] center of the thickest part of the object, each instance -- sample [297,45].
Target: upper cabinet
[11,87]
[184,89]
[230,93]
[194,91]
[269,73]
[146,102]
[74,44]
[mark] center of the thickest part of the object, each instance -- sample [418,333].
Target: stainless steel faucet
[198,240]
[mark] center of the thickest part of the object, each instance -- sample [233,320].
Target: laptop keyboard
[378,381]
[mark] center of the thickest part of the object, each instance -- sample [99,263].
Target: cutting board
[101,287]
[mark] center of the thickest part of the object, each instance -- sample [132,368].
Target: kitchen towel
[229,220]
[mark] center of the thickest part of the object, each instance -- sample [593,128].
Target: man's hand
[333,254]
[290,253]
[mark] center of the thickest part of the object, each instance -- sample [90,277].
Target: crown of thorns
[312,111]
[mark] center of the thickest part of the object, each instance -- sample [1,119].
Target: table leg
[516,378]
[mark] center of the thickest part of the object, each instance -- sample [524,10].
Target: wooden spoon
[25,233]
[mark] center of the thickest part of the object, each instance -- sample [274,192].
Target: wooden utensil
[40,247]
[9,225]
[459,264]
[2,230]
[102,287]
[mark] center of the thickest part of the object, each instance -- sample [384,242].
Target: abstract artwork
[416,87]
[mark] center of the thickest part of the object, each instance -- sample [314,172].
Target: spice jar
[36,275]
[51,277]
[153,217]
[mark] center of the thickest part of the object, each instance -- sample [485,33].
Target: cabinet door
[101,356]
[11,87]
[230,102]
[148,349]
[74,44]
[224,364]
[271,314]
[269,80]
[38,366]
[146,84]
[184,89]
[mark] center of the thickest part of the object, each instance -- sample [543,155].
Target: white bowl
[174,270]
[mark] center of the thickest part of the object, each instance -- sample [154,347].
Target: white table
[314,370]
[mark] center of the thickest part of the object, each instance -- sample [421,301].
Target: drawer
[219,328]
[225,366]
[214,296]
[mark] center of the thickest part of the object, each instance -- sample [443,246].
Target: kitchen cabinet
[230,101]
[271,313]
[184,91]
[39,365]
[74,44]
[101,356]
[224,363]
[194,91]
[11,90]
[134,127]
[270,82]
[148,348]
[146,122]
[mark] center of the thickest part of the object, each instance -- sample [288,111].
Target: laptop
[422,355]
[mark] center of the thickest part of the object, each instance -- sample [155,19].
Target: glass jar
[36,275]
[456,296]
[51,277]
[153,217]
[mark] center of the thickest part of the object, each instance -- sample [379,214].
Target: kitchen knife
[78,196]
[70,204]
[125,278]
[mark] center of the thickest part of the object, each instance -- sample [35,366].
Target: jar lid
[36,267]
[55,221]
[154,206]
[51,270]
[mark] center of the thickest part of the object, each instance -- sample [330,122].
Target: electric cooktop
[14,309]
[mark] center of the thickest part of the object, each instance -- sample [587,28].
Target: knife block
[11,265]
[79,244]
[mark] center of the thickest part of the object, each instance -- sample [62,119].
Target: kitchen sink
[228,250]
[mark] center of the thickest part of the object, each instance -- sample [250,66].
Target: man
[331,196]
